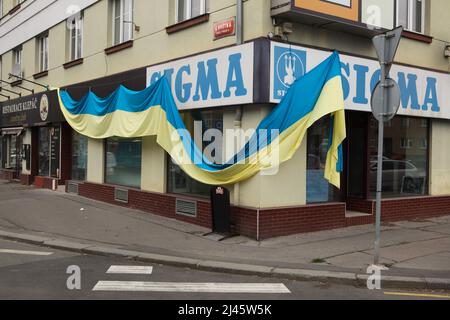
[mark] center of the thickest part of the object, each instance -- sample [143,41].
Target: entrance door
[355,157]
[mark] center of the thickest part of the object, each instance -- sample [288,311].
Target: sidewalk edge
[354,279]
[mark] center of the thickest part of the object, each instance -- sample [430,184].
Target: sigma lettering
[207,83]
[406,81]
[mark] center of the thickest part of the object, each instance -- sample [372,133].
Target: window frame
[122,21]
[76,32]
[43,53]
[17,60]
[410,16]
[188,10]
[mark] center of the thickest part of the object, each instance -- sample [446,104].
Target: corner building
[93,45]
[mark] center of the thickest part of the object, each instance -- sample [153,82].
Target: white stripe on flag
[191,287]
[130,270]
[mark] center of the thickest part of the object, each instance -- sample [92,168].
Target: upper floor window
[122,21]
[411,15]
[17,62]
[76,38]
[1,8]
[43,52]
[188,9]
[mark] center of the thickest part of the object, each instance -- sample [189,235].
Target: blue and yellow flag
[153,112]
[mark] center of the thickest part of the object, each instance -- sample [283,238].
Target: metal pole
[240,22]
[33,82]
[380,166]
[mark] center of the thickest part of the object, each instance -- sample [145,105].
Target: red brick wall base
[276,221]
[26,179]
[44,182]
[8,175]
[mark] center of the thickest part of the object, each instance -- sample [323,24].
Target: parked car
[399,176]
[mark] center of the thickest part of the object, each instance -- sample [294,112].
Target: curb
[347,278]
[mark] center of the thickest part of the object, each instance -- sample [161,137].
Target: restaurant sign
[31,111]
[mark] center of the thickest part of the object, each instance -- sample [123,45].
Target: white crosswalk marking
[26,253]
[130,270]
[191,287]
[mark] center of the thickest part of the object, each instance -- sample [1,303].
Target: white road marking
[130,270]
[191,287]
[26,253]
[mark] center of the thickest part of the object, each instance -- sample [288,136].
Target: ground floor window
[177,180]
[44,151]
[405,157]
[317,188]
[3,152]
[79,156]
[123,162]
[49,146]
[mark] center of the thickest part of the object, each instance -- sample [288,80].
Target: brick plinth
[7,175]
[273,222]
[44,182]
[26,179]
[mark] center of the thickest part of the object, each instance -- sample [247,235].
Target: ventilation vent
[72,187]
[121,195]
[186,207]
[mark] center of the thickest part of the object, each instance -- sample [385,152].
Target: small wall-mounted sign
[225,28]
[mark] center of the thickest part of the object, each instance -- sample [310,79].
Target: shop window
[317,188]
[44,152]
[188,9]
[411,15]
[123,162]
[122,21]
[405,158]
[79,156]
[177,180]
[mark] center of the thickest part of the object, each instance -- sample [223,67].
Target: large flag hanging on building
[153,112]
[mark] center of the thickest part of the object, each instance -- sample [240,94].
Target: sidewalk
[417,250]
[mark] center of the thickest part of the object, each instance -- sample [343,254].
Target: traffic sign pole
[380,170]
[385,104]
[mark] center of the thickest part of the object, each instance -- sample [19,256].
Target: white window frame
[122,21]
[411,16]
[188,10]
[17,57]
[43,53]
[76,32]
[1,9]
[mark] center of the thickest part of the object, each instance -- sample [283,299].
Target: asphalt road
[33,272]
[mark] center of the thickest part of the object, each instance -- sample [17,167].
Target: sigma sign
[219,78]
[423,93]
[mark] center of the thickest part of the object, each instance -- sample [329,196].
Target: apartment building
[228,79]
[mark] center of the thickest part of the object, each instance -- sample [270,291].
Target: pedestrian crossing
[130,270]
[181,287]
[25,253]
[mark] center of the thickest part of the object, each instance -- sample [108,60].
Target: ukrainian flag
[153,112]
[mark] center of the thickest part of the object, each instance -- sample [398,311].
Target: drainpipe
[238,115]
[240,22]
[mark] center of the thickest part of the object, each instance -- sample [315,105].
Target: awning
[12,131]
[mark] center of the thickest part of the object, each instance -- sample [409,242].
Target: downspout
[238,115]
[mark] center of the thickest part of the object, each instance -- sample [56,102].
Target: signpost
[385,103]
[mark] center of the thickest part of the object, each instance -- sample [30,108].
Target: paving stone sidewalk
[415,248]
